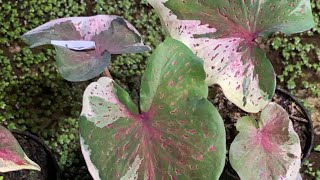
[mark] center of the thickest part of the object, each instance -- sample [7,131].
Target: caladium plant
[223,34]
[269,149]
[175,134]
[12,157]
[84,44]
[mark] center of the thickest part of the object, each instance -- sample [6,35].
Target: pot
[230,113]
[38,152]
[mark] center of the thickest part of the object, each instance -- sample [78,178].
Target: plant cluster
[175,132]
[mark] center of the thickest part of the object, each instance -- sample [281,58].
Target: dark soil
[231,113]
[38,153]
[314,159]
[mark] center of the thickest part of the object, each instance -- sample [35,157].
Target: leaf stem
[107,73]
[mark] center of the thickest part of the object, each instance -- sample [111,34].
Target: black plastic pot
[38,152]
[230,174]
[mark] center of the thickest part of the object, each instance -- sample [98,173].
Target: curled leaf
[12,157]
[177,135]
[223,33]
[84,44]
[266,150]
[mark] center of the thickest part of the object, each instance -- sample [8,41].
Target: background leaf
[84,44]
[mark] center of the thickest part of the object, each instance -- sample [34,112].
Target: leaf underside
[223,33]
[84,44]
[177,135]
[268,150]
[12,157]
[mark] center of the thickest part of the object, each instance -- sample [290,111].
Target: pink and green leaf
[223,33]
[177,134]
[12,157]
[269,149]
[84,44]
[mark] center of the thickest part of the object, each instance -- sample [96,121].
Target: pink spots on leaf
[174,111]
[185,136]
[109,126]
[174,63]
[182,122]
[178,172]
[171,83]
[212,149]
[124,147]
[199,157]
[191,131]
[238,87]
[206,135]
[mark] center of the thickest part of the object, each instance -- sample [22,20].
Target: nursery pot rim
[49,153]
[309,142]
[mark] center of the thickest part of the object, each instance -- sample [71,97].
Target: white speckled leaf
[266,150]
[222,34]
[84,44]
[12,157]
[176,134]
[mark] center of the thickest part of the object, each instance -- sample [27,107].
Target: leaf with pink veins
[178,134]
[223,33]
[12,157]
[269,149]
[84,44]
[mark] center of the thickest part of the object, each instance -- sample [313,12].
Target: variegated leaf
[266,150]
[223,34]
[177,134]
[84,44]
[12,157]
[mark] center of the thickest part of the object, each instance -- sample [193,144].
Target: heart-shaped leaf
[177,135]
[84,44]
[12,157]
[266,150]
[223,34]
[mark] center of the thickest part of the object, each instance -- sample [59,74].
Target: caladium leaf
[84,44]
[12,157]
[177,135]
[266,150]
[223,34]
